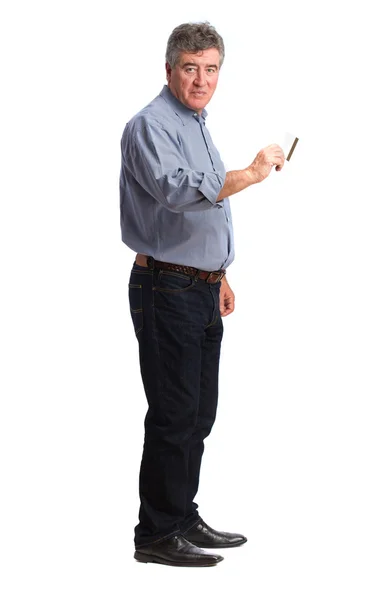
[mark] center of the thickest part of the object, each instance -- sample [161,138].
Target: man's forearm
[235,182]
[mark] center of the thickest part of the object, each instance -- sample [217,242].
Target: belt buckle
[211,275]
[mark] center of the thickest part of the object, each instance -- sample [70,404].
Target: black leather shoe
[176,552]
[204,536]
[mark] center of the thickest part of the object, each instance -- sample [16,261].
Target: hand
[265,160]
[227,298]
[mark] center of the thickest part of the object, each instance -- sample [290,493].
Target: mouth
[198,93]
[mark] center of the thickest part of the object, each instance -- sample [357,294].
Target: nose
[200,78]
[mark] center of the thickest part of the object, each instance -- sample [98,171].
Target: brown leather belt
[208,276]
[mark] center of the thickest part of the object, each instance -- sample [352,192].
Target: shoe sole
[146,558]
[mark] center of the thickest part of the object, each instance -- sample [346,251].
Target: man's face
[194,79]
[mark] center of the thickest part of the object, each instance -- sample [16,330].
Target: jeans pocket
[173,283]
[136,308]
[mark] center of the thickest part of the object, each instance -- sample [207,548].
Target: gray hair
[193,38]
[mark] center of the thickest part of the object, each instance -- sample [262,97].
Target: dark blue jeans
[179,329]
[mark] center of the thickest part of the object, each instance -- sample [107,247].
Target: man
[175,214]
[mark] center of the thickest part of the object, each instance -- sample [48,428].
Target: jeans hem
[190,527]
[165,537]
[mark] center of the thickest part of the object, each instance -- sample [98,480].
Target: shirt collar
[180,109]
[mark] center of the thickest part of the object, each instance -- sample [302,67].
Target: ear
[168,72]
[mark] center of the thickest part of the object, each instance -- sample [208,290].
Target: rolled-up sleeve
[154,157]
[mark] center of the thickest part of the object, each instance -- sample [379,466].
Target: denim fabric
[179,329]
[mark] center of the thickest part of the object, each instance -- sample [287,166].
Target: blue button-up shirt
[170,180]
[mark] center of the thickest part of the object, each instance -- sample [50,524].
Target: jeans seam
[215,309]
[139,311]
[175,292]
[158,288]
[175,274]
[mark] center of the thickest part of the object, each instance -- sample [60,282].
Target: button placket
[207,146]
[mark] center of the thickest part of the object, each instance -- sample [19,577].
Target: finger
[229,305]
[226,308]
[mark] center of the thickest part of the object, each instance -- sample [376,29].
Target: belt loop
[150,262]
[197,275]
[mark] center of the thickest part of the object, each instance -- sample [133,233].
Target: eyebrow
[189,64]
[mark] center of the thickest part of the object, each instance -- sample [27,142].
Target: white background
[298,458]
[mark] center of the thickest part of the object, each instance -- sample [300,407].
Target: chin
[197,104]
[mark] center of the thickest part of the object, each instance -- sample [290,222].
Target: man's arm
[259,169]
[235,182]
[154,158]
[227,298]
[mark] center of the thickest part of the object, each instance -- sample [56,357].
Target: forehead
[204,57]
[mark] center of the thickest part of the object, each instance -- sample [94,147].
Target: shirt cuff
[210,186]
